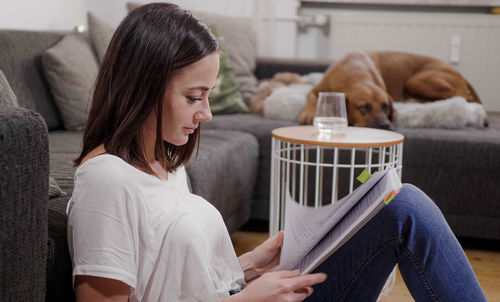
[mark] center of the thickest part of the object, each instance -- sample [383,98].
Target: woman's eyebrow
[204,88]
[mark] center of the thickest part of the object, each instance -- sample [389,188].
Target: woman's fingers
[298,281]
[283,286]
[303,285]
[275,241]
[279,238]
[307,280]
[286,274]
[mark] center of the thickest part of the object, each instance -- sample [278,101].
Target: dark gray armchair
[24,172]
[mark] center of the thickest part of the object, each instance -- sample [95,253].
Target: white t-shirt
[154,235]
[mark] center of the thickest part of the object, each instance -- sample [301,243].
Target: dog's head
[370,106]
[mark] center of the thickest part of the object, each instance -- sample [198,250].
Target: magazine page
[354,220]
[306,226]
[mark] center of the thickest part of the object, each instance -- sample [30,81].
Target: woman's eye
[194,99]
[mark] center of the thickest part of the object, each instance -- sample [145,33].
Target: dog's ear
[347,110]
[475,97]
[392,111]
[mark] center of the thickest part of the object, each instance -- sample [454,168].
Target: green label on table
[364,176]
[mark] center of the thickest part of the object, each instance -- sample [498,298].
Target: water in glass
[331,113]
[326,124]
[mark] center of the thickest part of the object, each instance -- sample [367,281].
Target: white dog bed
[451,113]
[288,102]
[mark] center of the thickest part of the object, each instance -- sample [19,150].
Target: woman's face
[185,103]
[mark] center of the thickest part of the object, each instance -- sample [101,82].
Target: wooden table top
[349,137]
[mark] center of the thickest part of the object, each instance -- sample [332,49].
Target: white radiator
[470,42]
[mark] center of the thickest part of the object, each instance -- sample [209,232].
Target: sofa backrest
[20,61]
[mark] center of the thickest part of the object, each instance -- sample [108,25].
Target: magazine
[313,234]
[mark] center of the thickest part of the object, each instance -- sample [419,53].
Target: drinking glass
[331,113]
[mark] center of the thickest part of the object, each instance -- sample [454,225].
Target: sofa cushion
[20,60]
[54,189]
[226,97]
[100,33]
[7,96]
[71,69]
[241,41]
[458,169]
[64,147]
[65,142]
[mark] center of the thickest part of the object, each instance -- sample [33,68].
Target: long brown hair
[148,45]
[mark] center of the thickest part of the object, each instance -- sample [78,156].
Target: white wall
[274,20]
[66,14]
[42,15]
[114,10]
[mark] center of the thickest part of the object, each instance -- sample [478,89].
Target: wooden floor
[484,257]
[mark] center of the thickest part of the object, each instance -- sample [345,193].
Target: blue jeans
[412,232]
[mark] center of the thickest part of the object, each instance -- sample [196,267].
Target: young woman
[136,233]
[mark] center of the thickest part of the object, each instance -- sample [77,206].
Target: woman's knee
[413,205]
[411,192]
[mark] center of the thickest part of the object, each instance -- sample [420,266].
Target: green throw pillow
[226,97]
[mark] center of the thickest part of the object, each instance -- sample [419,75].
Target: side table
[318,170]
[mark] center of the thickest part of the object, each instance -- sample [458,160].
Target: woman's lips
[189,130]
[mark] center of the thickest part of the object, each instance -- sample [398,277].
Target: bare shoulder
[95,152]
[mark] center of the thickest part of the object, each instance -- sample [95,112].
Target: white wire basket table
[317,170]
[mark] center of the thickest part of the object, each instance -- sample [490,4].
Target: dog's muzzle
[385,124]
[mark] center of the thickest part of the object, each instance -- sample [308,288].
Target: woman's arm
[98,289]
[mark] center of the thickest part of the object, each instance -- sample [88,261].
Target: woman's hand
[264,258]
[280,286]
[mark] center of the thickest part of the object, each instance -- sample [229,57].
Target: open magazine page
[354,220]
[306,226]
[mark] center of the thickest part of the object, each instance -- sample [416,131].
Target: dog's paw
[306,117]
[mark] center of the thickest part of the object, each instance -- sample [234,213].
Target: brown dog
[372,80]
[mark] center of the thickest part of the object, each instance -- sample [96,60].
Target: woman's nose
[204,115]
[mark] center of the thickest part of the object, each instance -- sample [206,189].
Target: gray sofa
[459,169]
